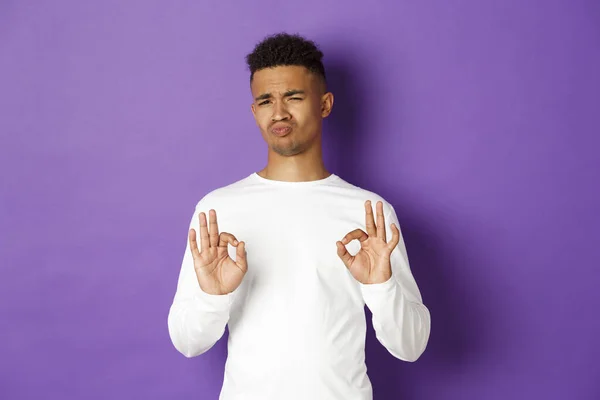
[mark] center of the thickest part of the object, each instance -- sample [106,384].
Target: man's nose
[280,112]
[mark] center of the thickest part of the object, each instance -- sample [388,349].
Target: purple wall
[478,120]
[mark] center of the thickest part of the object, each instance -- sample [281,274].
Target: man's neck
[294,172]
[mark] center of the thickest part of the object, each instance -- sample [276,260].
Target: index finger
[355,234]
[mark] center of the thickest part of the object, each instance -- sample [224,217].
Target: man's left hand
[372,263]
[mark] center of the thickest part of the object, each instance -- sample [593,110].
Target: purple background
[478,120]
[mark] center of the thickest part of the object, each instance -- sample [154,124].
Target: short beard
[288,151]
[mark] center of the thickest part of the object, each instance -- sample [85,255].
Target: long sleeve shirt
[297,322]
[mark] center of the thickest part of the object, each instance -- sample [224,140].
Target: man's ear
[253,109]
[326,104]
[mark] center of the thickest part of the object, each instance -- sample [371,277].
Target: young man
[286,265]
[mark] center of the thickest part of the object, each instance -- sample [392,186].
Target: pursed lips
[281,129]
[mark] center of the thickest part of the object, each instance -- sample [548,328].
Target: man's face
[289,106]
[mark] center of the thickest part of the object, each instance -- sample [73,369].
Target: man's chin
[287,151]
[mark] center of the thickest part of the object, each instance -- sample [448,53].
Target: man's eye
[296,98]
[262,103]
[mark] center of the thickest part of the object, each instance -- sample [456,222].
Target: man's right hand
[217,273]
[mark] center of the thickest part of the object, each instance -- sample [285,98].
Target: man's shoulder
[363,193]
[232,193]
[220,194]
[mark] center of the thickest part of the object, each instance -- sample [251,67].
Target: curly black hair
[286,49]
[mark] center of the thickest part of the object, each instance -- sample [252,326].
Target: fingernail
[235,242]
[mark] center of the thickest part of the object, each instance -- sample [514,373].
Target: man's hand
[217,273]
[372,263]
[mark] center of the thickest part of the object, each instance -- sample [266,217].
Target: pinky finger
[395,237]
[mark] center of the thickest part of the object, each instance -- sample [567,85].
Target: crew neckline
[322,181]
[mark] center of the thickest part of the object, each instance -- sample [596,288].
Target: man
[286,265]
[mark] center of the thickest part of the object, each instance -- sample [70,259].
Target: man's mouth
[281,130]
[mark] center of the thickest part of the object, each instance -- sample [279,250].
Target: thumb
[343,253]
[240,256]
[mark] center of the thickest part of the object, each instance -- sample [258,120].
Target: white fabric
[297,322]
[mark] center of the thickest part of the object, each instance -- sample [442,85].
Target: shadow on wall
[341,130]
[457,329]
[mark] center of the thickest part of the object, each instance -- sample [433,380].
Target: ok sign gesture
[372,263]
[217,273]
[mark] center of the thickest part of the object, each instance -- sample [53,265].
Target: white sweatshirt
[297,322]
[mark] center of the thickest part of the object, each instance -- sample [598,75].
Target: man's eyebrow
[263,96]
[293,92]
[289,93]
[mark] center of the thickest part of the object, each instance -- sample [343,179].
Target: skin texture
[217,273]
[372,262]
[294,98]
[297,156]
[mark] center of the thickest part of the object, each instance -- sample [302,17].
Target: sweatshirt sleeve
[196,319]
[401,321]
